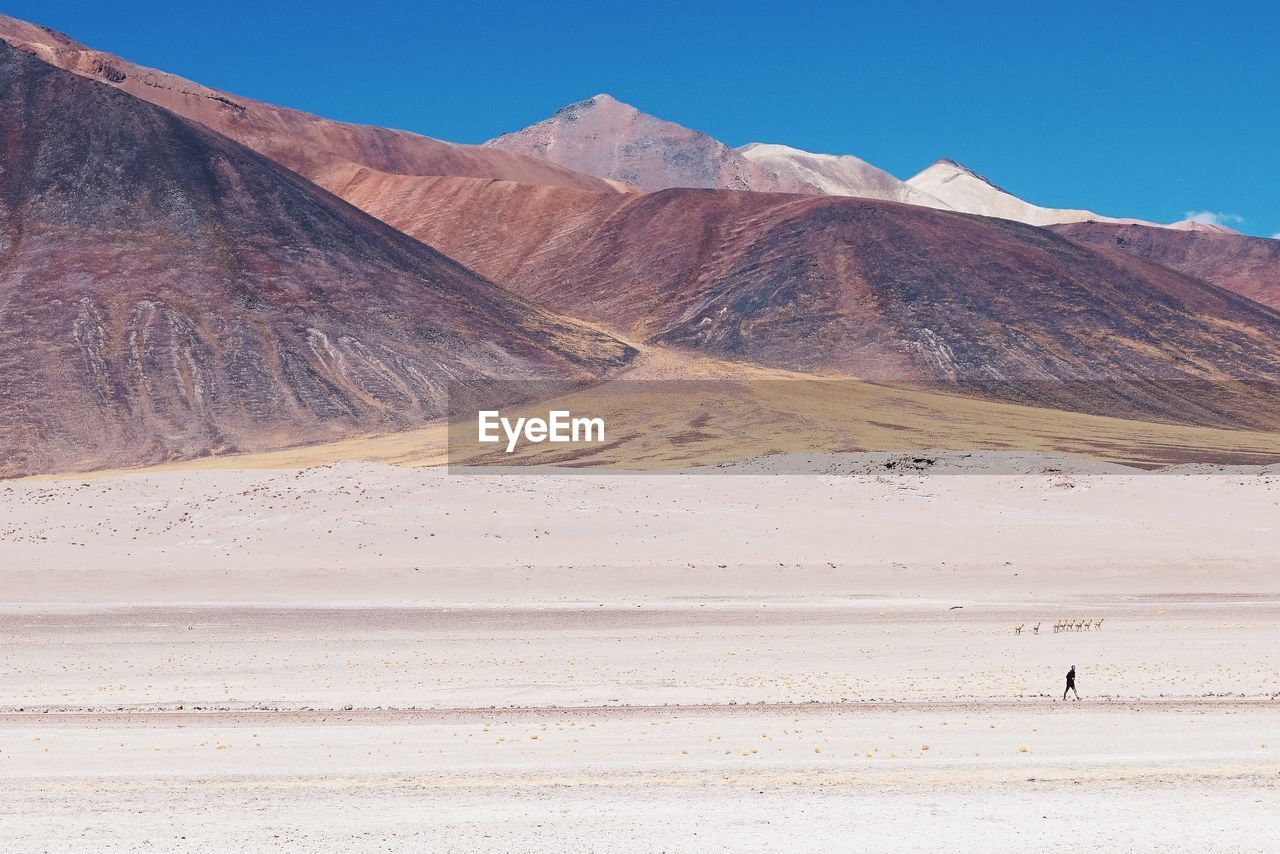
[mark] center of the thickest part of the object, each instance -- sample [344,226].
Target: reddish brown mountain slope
[876,289]
[1237,262]
[166,292]
[302,142]
[501,226]
[605,137]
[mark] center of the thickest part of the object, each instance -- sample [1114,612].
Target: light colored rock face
[965,190]
[604,137]
[837,175]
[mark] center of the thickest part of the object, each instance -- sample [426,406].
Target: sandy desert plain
[300,654]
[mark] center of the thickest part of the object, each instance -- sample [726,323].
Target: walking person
[1071,683]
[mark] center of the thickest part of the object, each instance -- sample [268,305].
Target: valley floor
[1182,775]
[365,658]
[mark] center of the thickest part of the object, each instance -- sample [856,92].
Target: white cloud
[1214,218]
[1276,236]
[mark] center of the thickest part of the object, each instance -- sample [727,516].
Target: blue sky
[1139,109]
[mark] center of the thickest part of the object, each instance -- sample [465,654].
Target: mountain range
[304,143]
[604,137]
[858,287]
[185,271]
[838,175]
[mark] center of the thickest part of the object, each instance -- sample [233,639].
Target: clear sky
[1146,109]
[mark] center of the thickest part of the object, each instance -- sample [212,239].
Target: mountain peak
[835,174]
[599,100]
[777,148]
[1200,226]
[601,104]
[607,138]
[967,191]
[955,166]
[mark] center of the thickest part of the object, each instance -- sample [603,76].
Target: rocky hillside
[166,292]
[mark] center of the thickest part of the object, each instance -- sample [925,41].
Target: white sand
[637,663]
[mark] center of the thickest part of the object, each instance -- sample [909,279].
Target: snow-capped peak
[835,174]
